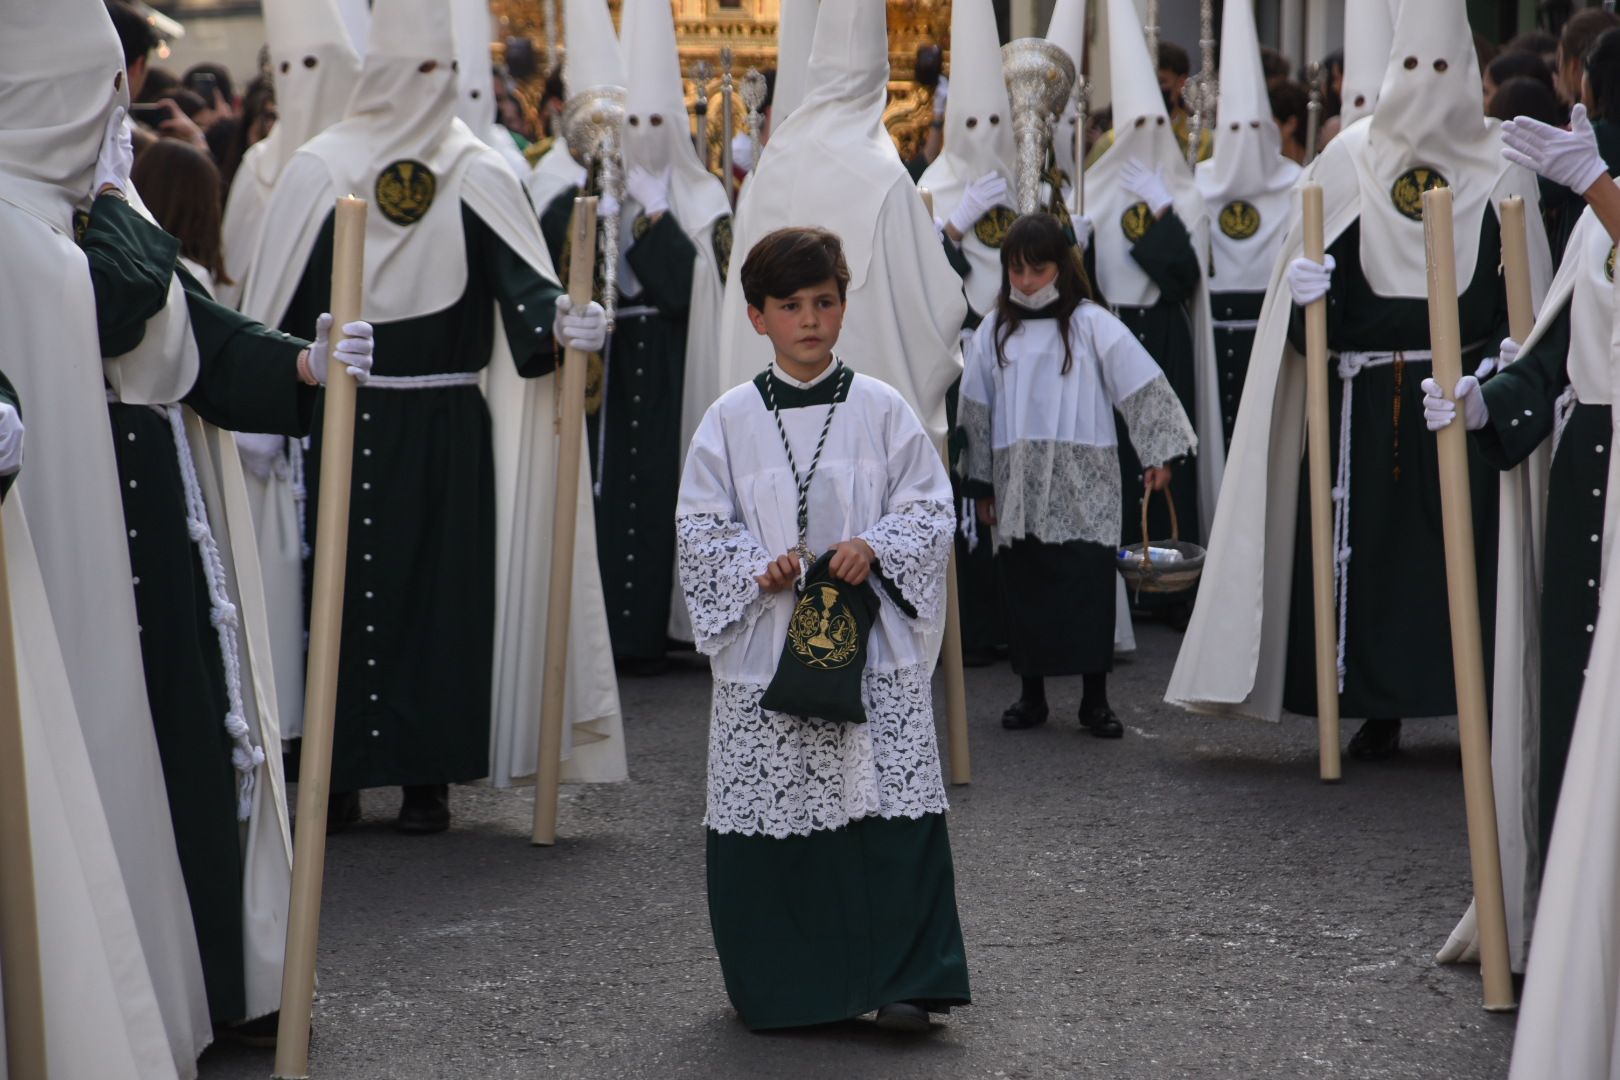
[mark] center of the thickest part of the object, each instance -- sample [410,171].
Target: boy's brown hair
[787,260]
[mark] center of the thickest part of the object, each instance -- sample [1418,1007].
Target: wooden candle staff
[1467,650]
[325,635]
[559,599]
[1516,270]
[1321,476]
[19,923]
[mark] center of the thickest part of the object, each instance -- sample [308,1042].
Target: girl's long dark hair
[1035,239]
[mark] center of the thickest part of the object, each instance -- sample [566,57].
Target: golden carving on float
[748,28]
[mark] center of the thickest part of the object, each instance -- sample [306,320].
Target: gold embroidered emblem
[405,190]
[1136,221]
[1407,194]
[595,383]
[640,226]
[81,222]
[1608,267]
[823,633]
[992,228]
[1240,220]
[722,246]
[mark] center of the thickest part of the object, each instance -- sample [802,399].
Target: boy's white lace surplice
[880,479]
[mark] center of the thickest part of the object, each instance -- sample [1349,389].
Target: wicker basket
[1142,576]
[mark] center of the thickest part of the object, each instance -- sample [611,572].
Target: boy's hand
[852,560]
[985,510]
[780,573]
[1156,478]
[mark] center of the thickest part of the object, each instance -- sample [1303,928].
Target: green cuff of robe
[1530,385]
[1165,254]
[663,259]
[131,264]
[247,377]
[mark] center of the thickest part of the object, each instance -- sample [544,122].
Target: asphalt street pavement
[1189,901]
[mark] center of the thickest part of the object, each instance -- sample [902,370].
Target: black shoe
[1378,740]
[342,810]
[1101,722]
[1025,714]
[425,809]
[978,657]
[903,1017]
[260,1033]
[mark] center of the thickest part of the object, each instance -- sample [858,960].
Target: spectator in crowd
[212,82]
[258,116]
[1516,65]
[1539,42]
[1175,68]
[1274,64]
[1580,34]
[1583,68]
[137,37]
[180,185]
[1526,96]
[1290,108]
[1485,49]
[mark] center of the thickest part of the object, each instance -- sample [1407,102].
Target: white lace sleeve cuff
[973,417]
[1158,425]
[718,561]
[913,547]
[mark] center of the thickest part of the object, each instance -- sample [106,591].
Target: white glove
[1438,412]
[260,454]
[1082,230]
[1309,280]
[11,440]
[1507,352]
[355,350]
[1146,184]
[606,207]
[582,176]
[982,196]
[584,329]
[117,156]
[650,189]
[1569,158]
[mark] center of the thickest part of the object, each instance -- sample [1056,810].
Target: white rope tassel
[970,523]
[245,757]
[1563,409]
[300,492]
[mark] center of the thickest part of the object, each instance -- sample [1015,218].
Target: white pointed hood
[832,162]
[62,76]
[1141,133]
[978,139]
[656,135]
[795,33]
[1369,31]
[356,20]
[593,57]
[1247,183]
[1068,31]
[315,68]
[1429,128]
[476,101]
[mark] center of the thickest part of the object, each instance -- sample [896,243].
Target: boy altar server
[831,889]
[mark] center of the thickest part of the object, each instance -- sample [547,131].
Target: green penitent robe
[1522,400]
[247,381]
[419,605]
[1398,628]
[1233,343]
[635,428]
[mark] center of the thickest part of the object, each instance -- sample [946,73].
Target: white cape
[94,974]
[76,516]
[1233,658]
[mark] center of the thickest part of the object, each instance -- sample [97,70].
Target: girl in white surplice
[1044,376]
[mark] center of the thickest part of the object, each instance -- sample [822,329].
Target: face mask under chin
[1045,296]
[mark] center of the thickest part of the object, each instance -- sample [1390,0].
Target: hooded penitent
[1234,658]
[978,141]
[61,77]
[833,165]
[1142,134]
[356,20]
[1247,183]
[795,31]
[476,101]
[314,68]
[1369,29]
[593,59]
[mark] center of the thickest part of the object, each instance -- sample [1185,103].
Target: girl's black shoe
[1101,722]
[1377,740]
[1025,714]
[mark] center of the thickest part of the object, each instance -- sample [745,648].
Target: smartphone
[205,86]
[150,115]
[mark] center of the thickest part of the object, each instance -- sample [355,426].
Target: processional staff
[1205,92]
[1320,463]
[701,74]
[728,120]
[754,89]
[1313,111]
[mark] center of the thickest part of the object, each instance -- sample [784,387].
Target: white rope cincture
[1236,325]
[300,492]
[444,381]
[970,524]
[245,757]
[1563,410]
[1352,364]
